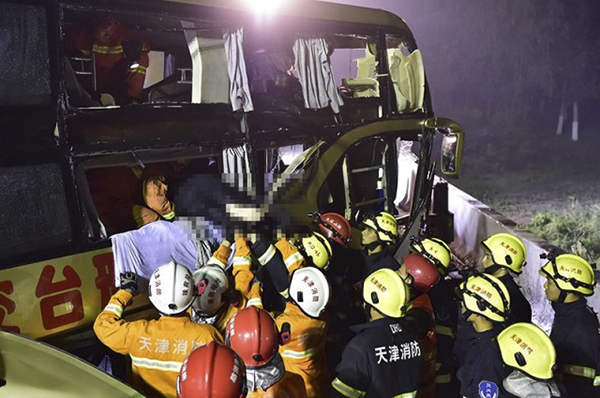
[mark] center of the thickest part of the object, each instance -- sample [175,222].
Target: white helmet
[211,285]
[171,288]
[310,290]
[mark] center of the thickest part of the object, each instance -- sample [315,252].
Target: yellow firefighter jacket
[157,348]
[247,291]
[290,386]
[304,354]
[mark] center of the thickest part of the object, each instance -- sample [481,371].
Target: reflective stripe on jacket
[292,257]
[112,74]
[304,354]
[577,341]
[157,348]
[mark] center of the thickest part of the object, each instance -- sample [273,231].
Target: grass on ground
[547,184]
[576,229]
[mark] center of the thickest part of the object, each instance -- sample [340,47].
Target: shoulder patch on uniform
[396,328]
[488,389]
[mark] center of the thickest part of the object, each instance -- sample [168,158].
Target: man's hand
[129,282]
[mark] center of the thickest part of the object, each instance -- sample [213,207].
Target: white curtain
[315,75]
[236,169]
[239,89]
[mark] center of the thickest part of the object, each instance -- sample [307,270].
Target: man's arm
[245,282]
[271,258]
[221,256]
[114,332]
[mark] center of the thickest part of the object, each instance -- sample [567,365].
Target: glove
[129,282]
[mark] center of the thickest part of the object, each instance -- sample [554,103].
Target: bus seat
[366,66]
[174,88]
[408,76]
[416,72]
[365,84]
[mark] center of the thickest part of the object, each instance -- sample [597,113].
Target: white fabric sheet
[142,250]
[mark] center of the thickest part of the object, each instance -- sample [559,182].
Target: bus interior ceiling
[270,59]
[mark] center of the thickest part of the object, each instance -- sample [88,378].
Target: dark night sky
[472,46]
[506,60]
[501,69]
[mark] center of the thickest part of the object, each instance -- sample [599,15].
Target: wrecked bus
[311,106]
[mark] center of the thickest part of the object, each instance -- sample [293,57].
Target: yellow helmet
[318,248]
[486,295]
[526,347]
[571,273]
[385,224]
[385,291]
[507,251]
[435,250]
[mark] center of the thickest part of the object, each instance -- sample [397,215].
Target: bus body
[56,271]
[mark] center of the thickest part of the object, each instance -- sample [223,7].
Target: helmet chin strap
[562,296]
[373,245]
[492,269]
[465,315]
[367,311]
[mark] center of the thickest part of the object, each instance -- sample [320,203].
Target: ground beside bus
[545,183]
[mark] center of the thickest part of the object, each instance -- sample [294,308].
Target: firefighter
[283,258]
[253,335]
[485,304]
[305,316]
[345,306]
[445,309]
[157,347]
[337,230]
[384,358]
[131,197]
[423,276]
[335,227]
[216,302]
[575,330]
[120,58]
[525,348]
[379,233]
[213,370]
[505,253]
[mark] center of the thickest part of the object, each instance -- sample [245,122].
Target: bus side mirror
[452,147]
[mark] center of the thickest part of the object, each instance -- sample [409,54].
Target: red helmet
[423,272]
[212,371]
[335,227]
[252,334]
